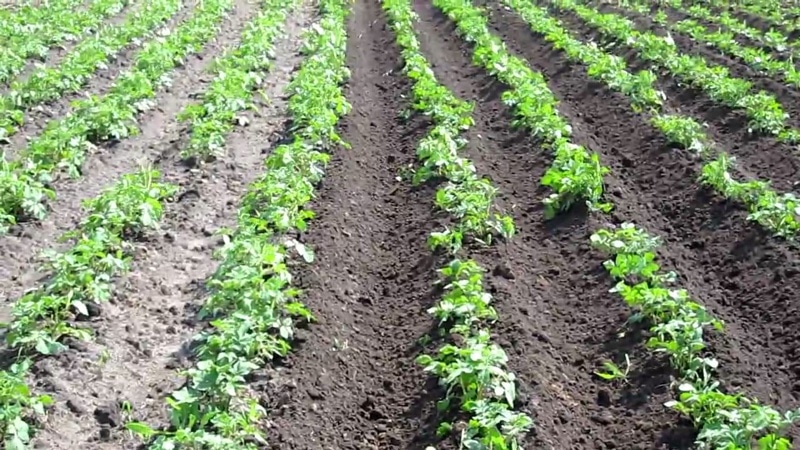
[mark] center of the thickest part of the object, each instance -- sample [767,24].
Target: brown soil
[763,156]
[757,21]
[675,15]
[352,382]
[57,50]
[725,127]
[144,332]
[57,53]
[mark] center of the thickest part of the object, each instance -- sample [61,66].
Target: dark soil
[676,15]
[144,332]
[757,21]
[725,127]
[761,155]
[352,382]
[543,281]
[556,315]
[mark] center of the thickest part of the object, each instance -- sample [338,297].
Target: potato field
[399,224]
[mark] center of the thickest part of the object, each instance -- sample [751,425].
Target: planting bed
[281,224]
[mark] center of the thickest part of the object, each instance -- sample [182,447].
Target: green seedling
[612,372]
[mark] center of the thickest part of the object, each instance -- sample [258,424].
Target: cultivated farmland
[399,224]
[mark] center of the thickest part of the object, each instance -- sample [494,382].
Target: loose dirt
[762,155]
[40,116]
[351,380]
[352,383]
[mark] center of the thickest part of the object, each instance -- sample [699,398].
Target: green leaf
[141,429]
[46,346]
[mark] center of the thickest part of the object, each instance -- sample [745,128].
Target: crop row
[776,12]
[772,39]
[236,75]
[576,174]
[763,111]
[725,420]
[83,275]
[252,306]
[724,41]
[678,322]
[32,31]
[771,210]
[48,83]
[24,183]
[472,372]
[19,25]
[722,425]
[79,277]
[466,196]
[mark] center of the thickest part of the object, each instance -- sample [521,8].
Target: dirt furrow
[111,160]
[351,382]
[743,276]
[757,21]
[55,51]
[764,155]
[143,334]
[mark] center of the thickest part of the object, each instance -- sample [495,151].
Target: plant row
[24,184]
[677,324]
[776,212]
[20,24]
[48,83]
[772,39]
[37,29]
[724,41]
[466,196]
[764,112]
[776,12]
[756,58]
[576,174]
[252,306]
[28,19]
[237,74]
[79,277]
[473,372]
